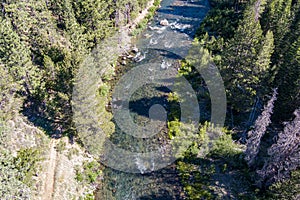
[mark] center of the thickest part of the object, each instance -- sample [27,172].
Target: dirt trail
[50,172]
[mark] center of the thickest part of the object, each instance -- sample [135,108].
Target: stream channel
[164,45]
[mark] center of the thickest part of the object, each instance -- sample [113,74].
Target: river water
[163,45]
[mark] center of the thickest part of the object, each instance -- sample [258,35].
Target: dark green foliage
[41,46]
[225,147]
[9,104]
[91,171]
[220,22]
[194,181]
[16,60]
[288,77]
[282,17]
[277,18]
[241,74]
[95,17]
[26,163]
[200,175]
[288,189]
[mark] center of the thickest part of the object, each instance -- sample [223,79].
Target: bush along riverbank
[142,24]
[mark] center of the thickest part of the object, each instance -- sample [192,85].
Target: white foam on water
[153,41]
[140,165]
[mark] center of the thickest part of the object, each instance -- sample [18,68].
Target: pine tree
[288,76]
[16,58]
[9,103]
[241,68]
[95,16]
[264,57]
[91,118]
[277,18]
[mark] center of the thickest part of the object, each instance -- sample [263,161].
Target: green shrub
[89,197]
[72,152]
[61,146]
[79,177]
[152,9]
[142,24]
[91,171]
[195,181]
[104,90]
[185,68]
[156,3]
[149,16]
[288,189]
[173,96]
[26,163]
[174,129]
[225,147]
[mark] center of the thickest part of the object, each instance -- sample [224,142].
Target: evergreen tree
[9,103]
[264,57]
[246,58]
[16,58]
[277,18]
[95,16]
[89,98]
[288,76]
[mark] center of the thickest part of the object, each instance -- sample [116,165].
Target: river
[165,45]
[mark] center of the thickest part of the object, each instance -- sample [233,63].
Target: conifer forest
[150,99]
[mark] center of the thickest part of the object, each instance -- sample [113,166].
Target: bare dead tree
[260,127]
[284,155]
[257,10]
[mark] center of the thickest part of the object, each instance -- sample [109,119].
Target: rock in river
[164,22]
[135,50]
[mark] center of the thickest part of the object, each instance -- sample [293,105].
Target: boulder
[164,22]
[135,50]
[124,62]
[130,56]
